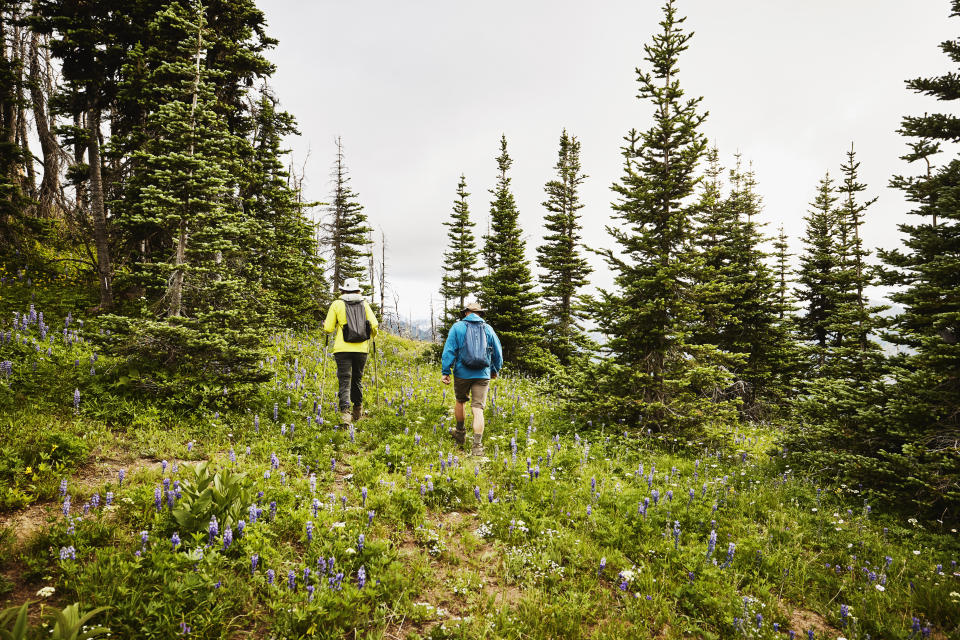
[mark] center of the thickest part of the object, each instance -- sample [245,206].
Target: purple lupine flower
[363,497]
[254,561]
[108,499]
[292,580]
[603,565]
[66,506]
[490,495]
[313,483]
[241,525]
[253,513]
[95,500]
[361,577]
[233,456]
[276,411]
[144,538]
[190,446]
[476,493]
[273,510]
[121,475]
[844,612]
[227,537]
[309,530]
[306,575]
[63,487]
[360,540]
[333,464]
[283,429]
[810,634]
[163,466]
[212,530]
[589,510]
[170,500]
[175,540]
[310,589]
[656,497]
[158,498]
[370,515]
[76,400]
[711,543]
[731,548]
[270,576]
[274,461]
[676,534]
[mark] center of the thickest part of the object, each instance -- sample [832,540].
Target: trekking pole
[376,373]
[323,376]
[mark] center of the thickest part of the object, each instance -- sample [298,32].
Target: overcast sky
[421,90]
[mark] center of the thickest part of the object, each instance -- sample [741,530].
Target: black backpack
[357,328]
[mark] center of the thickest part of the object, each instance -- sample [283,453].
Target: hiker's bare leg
[477,420]
[458,413]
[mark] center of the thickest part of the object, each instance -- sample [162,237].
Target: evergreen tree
[655,371]
[817,277]
[461,261]
[717,234]
[507,293]
[283,259]
[856,355]
[207,322]
[346,228]
[785,306]
[735,288]
[923,413]
[564,270]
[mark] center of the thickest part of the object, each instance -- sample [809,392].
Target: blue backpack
[475,352]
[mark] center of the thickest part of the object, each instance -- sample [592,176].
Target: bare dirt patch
[802,620]
[27,521]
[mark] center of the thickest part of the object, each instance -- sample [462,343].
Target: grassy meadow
[386,530]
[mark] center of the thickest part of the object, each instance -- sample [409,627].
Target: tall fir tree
[206,323]
[855,322]
[655,372]
[346,228]
[817,276]
[461,261]
[564,269]
[784,272]
[922,422]
[507,293]
[283,257]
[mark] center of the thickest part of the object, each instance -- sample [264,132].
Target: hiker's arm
[496,358]
[330,324]
[449,351]
[372,319]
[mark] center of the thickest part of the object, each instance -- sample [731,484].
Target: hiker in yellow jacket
[355,325]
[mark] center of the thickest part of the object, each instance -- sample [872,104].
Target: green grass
[438,561]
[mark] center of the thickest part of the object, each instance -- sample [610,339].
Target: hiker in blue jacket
[473,352]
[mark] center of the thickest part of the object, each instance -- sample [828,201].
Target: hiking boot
[459,434]
[477,450]
[346,417]
[357,412]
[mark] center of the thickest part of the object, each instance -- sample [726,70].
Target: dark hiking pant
[350,376]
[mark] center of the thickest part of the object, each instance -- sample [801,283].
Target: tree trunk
[50,184]
[98,211]
[176,284]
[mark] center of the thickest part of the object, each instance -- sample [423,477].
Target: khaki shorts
[476,388]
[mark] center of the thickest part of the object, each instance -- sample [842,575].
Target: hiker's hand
[494,375]
[445,379]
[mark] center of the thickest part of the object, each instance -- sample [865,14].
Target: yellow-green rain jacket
[337,320]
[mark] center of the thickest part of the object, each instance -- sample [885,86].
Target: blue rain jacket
[452,347]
